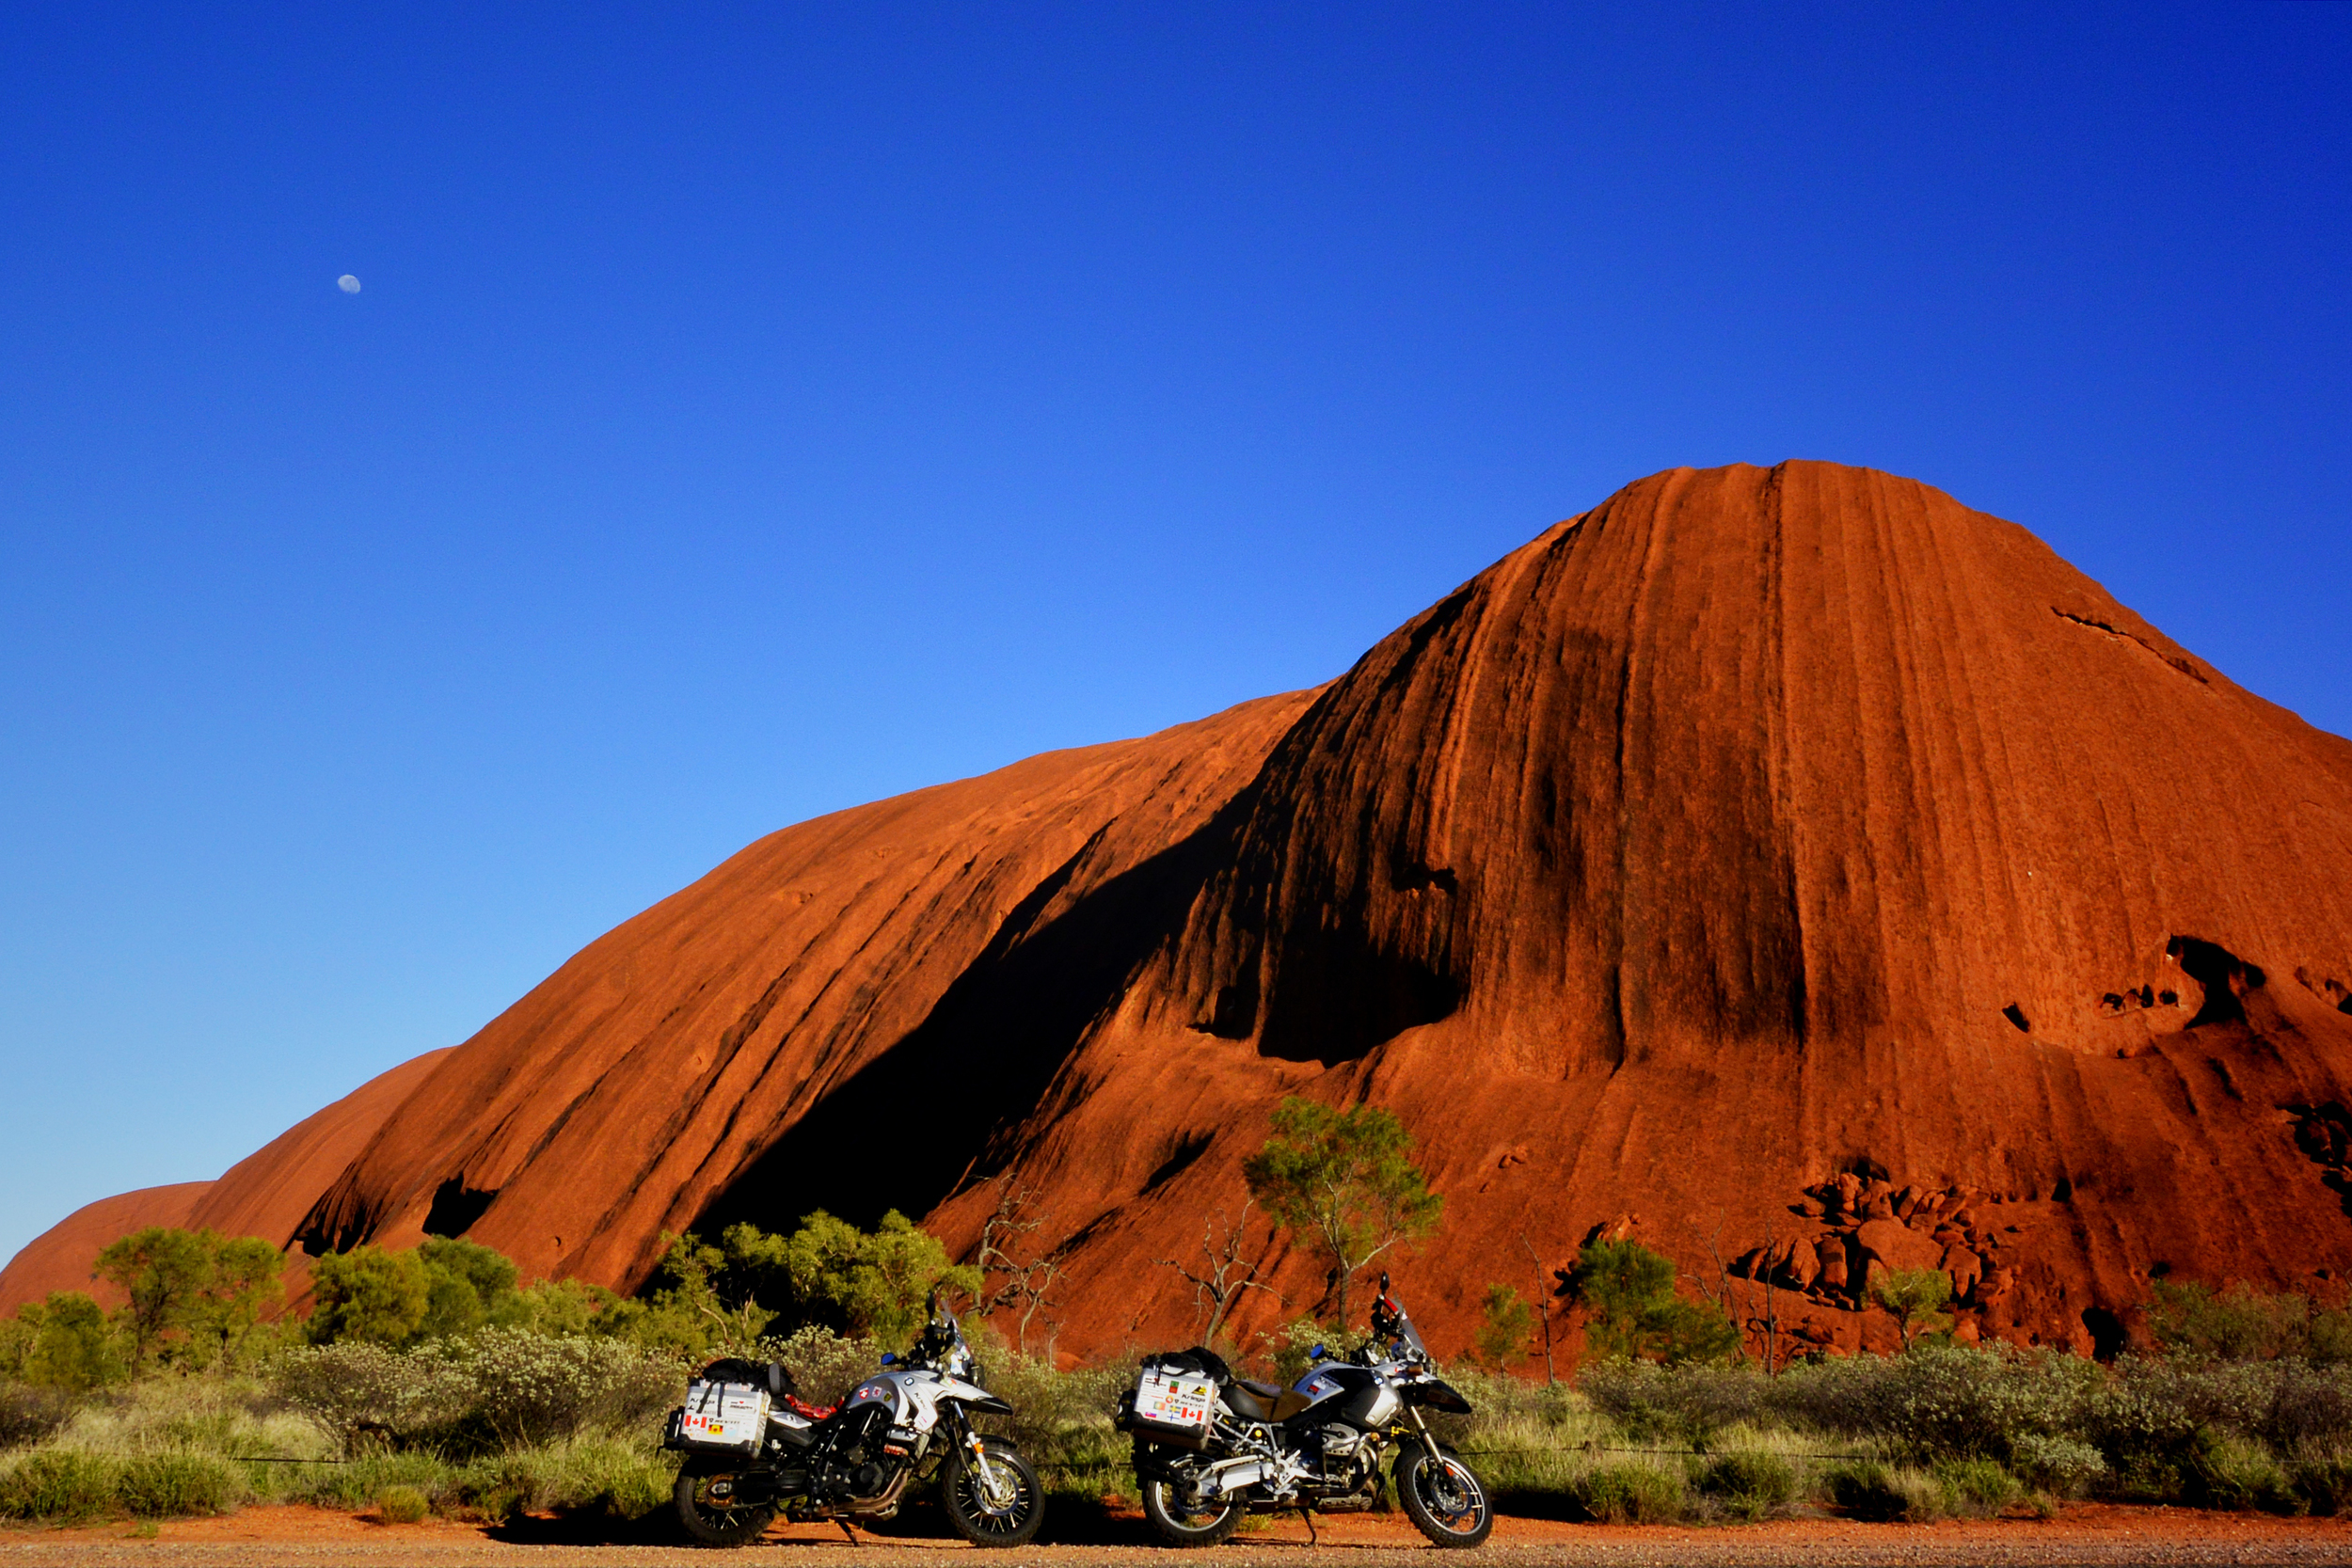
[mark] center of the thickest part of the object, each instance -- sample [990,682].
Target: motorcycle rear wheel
[1184,1524]
[1448,1505]
[1008,1514]
[716,1521]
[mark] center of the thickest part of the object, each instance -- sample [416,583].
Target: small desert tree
[1505,1328]
[1345,1179]
[1226,1271]
[874,1282]
[64,1342]
[165,1273]
[370,1295]
[1914,1296]
[1016,1274]
[1629,1292]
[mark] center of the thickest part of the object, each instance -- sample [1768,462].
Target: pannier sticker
[723,1415]
[1177,1402]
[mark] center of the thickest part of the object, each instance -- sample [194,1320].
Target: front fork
[967,1438]
[1427,1442]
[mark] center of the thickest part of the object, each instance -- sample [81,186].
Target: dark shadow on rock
[936,1106]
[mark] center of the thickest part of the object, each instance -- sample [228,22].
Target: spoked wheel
[707,1507]
[1183,1523]
[999,1507]
[1448,1503]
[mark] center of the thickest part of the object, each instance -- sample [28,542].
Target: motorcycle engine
[1340,1445]
[859,1468]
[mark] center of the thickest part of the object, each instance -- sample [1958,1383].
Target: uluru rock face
[1790,868]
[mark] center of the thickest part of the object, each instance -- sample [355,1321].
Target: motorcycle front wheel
[706,1507]
[1447,1502]
[1002,1508]
[1183,1524]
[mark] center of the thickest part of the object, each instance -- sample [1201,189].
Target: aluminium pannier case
[729,1417]
[1173,1406]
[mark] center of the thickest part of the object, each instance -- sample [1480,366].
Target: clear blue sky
[749,412]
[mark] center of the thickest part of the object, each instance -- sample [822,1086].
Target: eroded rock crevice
[2324,1133]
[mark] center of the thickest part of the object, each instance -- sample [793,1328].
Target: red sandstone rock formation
[1789,867]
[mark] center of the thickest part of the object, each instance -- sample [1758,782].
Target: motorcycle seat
[1262,1402]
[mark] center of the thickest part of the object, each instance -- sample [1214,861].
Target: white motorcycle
[753,1450]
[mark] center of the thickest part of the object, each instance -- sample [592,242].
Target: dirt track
[2087,1535]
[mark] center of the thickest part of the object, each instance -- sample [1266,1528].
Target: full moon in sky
[347,283]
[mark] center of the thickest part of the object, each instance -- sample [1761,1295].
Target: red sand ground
[2082,1533]
[1785,863]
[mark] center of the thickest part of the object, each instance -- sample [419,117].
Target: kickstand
[848,1529]
[1309,1514]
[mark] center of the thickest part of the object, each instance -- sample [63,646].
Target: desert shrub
[1941,1401]
[1872,1489]
[402,1505]
[358,1484]
[1504,1328]
[1627,1494]
[2228,1472]
[2062,1466]
[477,1392]
[597,1477]
[357,1391]
[826,1365]
[1749,1484]
[2308,1403]
[369,1295]
[28,1415]
[521,1389]
[171,1484]
[1976,1487]
[1062,1421]
[1688,1403]
[2321,1477]
[60,1485]
[1287,1351]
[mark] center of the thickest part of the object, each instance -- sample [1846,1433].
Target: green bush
[1871,1489]
[1976,1487]
[59,1485]
[598,1478]
[170,1485]
[475,1393]
[826,1365]
[2062,1466]
[2226,1472]
[402,1505]
[28,1415]
[1628,1292]
[2322,1479]
[1689,1403]
[1749,1485]
[1627,1494]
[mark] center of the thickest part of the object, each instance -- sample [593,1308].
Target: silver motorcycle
[753,1450]
[1211,1445]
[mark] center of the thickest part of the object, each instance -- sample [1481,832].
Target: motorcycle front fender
[1436,1395]
[978,1399]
